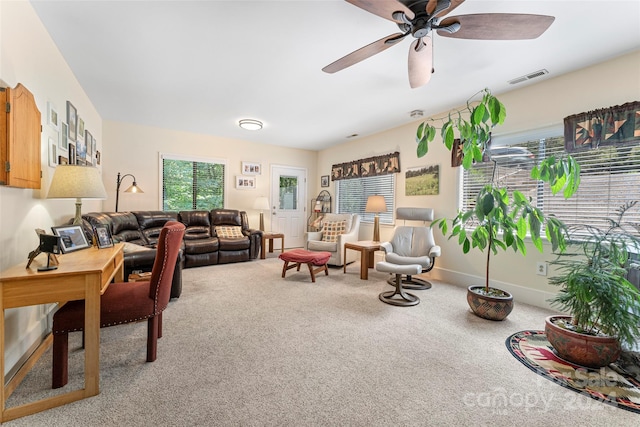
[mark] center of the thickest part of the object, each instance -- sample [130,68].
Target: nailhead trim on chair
[156,312]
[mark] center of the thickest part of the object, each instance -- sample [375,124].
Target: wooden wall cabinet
[20,129]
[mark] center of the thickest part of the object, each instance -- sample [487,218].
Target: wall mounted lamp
[76,182]
[250,124]
[133,189]
[376,204]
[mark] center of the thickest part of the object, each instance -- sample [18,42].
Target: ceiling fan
[420,17]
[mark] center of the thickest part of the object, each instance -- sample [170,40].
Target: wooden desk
[367,249]
[84,274]
[270,236]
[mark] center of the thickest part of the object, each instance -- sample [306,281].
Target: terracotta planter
[586,350]
[489,307]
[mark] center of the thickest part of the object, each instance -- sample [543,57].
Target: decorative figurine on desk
[50,245]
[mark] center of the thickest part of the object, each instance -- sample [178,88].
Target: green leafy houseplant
[592,279]
[500,219]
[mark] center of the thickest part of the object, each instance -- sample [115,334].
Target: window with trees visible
[192,184]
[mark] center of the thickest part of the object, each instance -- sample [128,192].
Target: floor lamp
[133,189]
[376,204]
[261,204]
[76,182]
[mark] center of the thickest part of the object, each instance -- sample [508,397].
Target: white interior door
[288,202]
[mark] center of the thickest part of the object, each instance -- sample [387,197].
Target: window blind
[610,177]
[352,195]
[192,184]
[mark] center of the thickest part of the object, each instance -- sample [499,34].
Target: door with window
[288,204]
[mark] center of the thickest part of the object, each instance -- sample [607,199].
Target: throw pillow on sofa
[229,232]
[332,229]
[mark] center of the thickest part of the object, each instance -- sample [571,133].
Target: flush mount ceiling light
[250,124]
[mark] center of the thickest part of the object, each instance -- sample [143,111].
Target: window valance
[372,166]
[607,126]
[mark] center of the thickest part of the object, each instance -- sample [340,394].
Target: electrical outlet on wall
[541,268]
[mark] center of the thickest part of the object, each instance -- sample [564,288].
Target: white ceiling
[200,66]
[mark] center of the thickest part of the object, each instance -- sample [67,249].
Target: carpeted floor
[244,347]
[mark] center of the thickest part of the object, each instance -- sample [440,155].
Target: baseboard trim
[521,294]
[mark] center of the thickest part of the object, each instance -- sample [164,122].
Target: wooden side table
[367,249]
[270,236]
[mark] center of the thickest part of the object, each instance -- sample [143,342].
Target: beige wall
[29,56]
[136,149]
[536,106]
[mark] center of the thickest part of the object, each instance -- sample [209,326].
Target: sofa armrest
[255,237]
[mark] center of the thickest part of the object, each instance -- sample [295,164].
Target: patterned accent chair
[336,230]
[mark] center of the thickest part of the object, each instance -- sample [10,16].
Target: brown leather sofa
[202,244]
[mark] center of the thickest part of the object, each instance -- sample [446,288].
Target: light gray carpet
[244,347]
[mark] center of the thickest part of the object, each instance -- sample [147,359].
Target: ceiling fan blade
[363,53]
[497,26]
[420,62]
[384,8]
[432,5]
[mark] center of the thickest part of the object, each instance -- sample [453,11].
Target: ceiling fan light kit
[419,18]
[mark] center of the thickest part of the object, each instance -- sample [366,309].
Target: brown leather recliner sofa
[206,240]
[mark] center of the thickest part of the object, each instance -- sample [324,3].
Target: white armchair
[412,245]
[329,239]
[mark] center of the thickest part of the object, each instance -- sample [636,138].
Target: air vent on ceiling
[529,76]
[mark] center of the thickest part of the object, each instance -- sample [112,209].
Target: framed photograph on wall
[72,154]
[244,182]
[53,152]
[250,168]
[324,181]
[73,237]
[72,121]
[64,136]
[52,116]
[422,181]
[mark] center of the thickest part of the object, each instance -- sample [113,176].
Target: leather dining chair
[122,303]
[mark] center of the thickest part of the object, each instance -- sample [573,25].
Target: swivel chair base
[405,299]
[413,283]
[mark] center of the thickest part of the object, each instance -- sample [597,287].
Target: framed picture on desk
[103,236]
[73,238]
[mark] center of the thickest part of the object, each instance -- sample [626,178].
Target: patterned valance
[607,126]
[372,166]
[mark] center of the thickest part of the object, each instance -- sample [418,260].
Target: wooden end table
[270,236]
[366,248]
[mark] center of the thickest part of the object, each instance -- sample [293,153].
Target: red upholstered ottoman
[302,256]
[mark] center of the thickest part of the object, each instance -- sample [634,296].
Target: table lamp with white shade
[376,204]
[77,182]
[261,204]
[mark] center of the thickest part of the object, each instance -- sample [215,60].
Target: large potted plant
[603,306]
[500,219]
